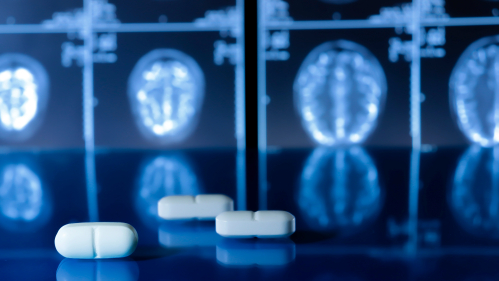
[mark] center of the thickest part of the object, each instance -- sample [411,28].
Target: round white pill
[96,240]
[203,207]
[262,224]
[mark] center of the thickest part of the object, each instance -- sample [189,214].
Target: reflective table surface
[361,214]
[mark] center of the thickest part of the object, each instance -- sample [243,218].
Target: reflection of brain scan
[339,190]
[23,95]
[474,91]
[20,193]
[474,197]
[339,91]
[166,91]
[164,176]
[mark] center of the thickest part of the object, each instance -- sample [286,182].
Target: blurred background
[135,75]
[376,123]
[89,80]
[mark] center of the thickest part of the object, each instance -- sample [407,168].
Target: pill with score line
[261,224]
[96,240]
[186,207]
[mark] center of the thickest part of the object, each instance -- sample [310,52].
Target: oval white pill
[263,224]
[203,207]
[96,240]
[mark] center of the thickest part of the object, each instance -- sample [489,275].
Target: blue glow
[262,14]
[163,176]
[19,98]
[91,187]
[23,95]
[255,252]
[474,196]
[241,179]
[474,91]
[98,270]
[88,76]
[276,9]
[24,203]
[340,90]
[415,95]
[21,193]
[339,190]
[166,91]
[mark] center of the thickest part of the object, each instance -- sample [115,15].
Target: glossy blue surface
[351,206]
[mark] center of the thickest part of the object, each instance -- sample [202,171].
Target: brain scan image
[23,96]
[339,190]
[23,203]
[163,176]
[474,91]
[339,92]
[474,195]
[166,91]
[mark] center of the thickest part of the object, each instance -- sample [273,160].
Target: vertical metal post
[262,108]
[88,112]
[88,82]
[415,98]
[240,82]
[240,110]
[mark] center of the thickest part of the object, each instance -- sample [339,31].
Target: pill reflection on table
[261,224]
[255,252]
[175,234]
[97,240]
[97,270]
[202,207]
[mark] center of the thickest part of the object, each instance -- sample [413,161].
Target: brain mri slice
[339,92]
[474,92]
[474,194]
[23,96]
[24,203]
[339,190]
[166,91]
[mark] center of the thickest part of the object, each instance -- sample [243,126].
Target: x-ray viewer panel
[33,12]
[337,87]
[165,11]
[460,88]
[306,10]
[163,91]
[40,98]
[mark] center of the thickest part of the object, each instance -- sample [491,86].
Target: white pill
[263,224]
[96,240]
[203,207]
